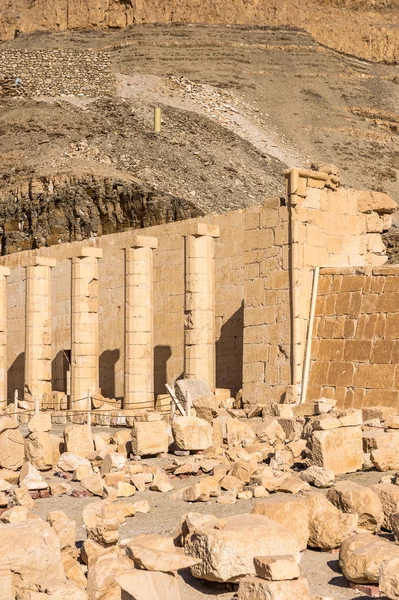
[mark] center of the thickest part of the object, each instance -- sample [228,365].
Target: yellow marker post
[157,120]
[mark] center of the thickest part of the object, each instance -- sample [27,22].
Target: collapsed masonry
[224,298]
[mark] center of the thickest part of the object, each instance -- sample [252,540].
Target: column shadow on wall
[107,377]
[161,356]
[15,377]
[60,365]
[229,353]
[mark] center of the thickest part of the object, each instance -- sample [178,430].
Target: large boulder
[78,440]
[328,526]
[69,462]
[146,585]
[12,451]
[155,552]
[102,520]
[255,588]
[389,578]
[290,512]
[192,433]
[101,582]
[32,551]
[227,548]
[361,557]
[389,496]
[324,444]
[350,497]
[58,590]
[149,438]
[39,450]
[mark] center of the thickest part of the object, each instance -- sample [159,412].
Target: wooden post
[157,120]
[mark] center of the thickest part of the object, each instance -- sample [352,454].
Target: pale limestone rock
[290,512]
[7,423]
[199,492]
[239,433]
[389,578]
[40,423]
[207,407]
[22,497]
[191,521]
[39,450]
[113,462]
[146,585]
[15,514]
[78,439]
[94,484]
[102,578]
[255,588]
[276,568]
[269,431]
[243,470]
[325,422]
[161,483]
[142,506]
[349,497]
[65,529]
[230,484]
[385,459]
[361,557]
[318,476]
[153,555]
[247,494]
[292,427]
[389,496]
[149,438]
[121,437]
[31,478]
[82,471]
[228,548]
[394,520]
[327,525]
[61,590]
[351,417]
[32,550]
[9,475]
[125,489]
[73,570]
[12,450]
[229,498]
[5,486]
[60,487]
[392,422]
[324,449]
[57,444]
[69,462]
[192,433]
[91,550]
[101,440]
[102,519]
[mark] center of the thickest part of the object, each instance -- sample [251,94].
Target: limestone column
[4,272]
[84,326]
[38,327]
[199,311]
[139,324]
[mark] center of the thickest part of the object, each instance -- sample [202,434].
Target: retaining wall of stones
[55,73]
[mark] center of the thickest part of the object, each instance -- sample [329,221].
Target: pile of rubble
[279,457]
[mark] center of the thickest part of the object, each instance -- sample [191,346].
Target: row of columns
[199,313]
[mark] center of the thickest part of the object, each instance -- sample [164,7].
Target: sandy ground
[320,568]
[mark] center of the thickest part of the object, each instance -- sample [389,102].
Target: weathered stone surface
[78,439]
[386,458]
[102,520]
[361,557]
[22,497]
[206,488]
[269,430]
[290,512]
[327,525]
[207,407]
[40,423]
[39,450]
[350,457]
[192,433]
[60,487]
[32,550]
[113,462]
[60,590]
[161,483]
[389,578]
[31,478]
[318,476]
[149,438]
[158,553]
[228,548]
[15,514]
[69,462]
[239,433]
[102,579]
[255,588]
[94,484]
[12,451]
[276,568]
[389,496]
[65,529]
[349,497]
[146,585]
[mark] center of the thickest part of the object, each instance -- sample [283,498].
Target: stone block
[324,449]
[149,438]
[255,588]
[276,568]
[191,433]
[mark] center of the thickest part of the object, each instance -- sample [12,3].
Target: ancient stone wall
[55,73]
[367,29]
[355,349]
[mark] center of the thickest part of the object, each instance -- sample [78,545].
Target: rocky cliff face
[364,28]
[44,212]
